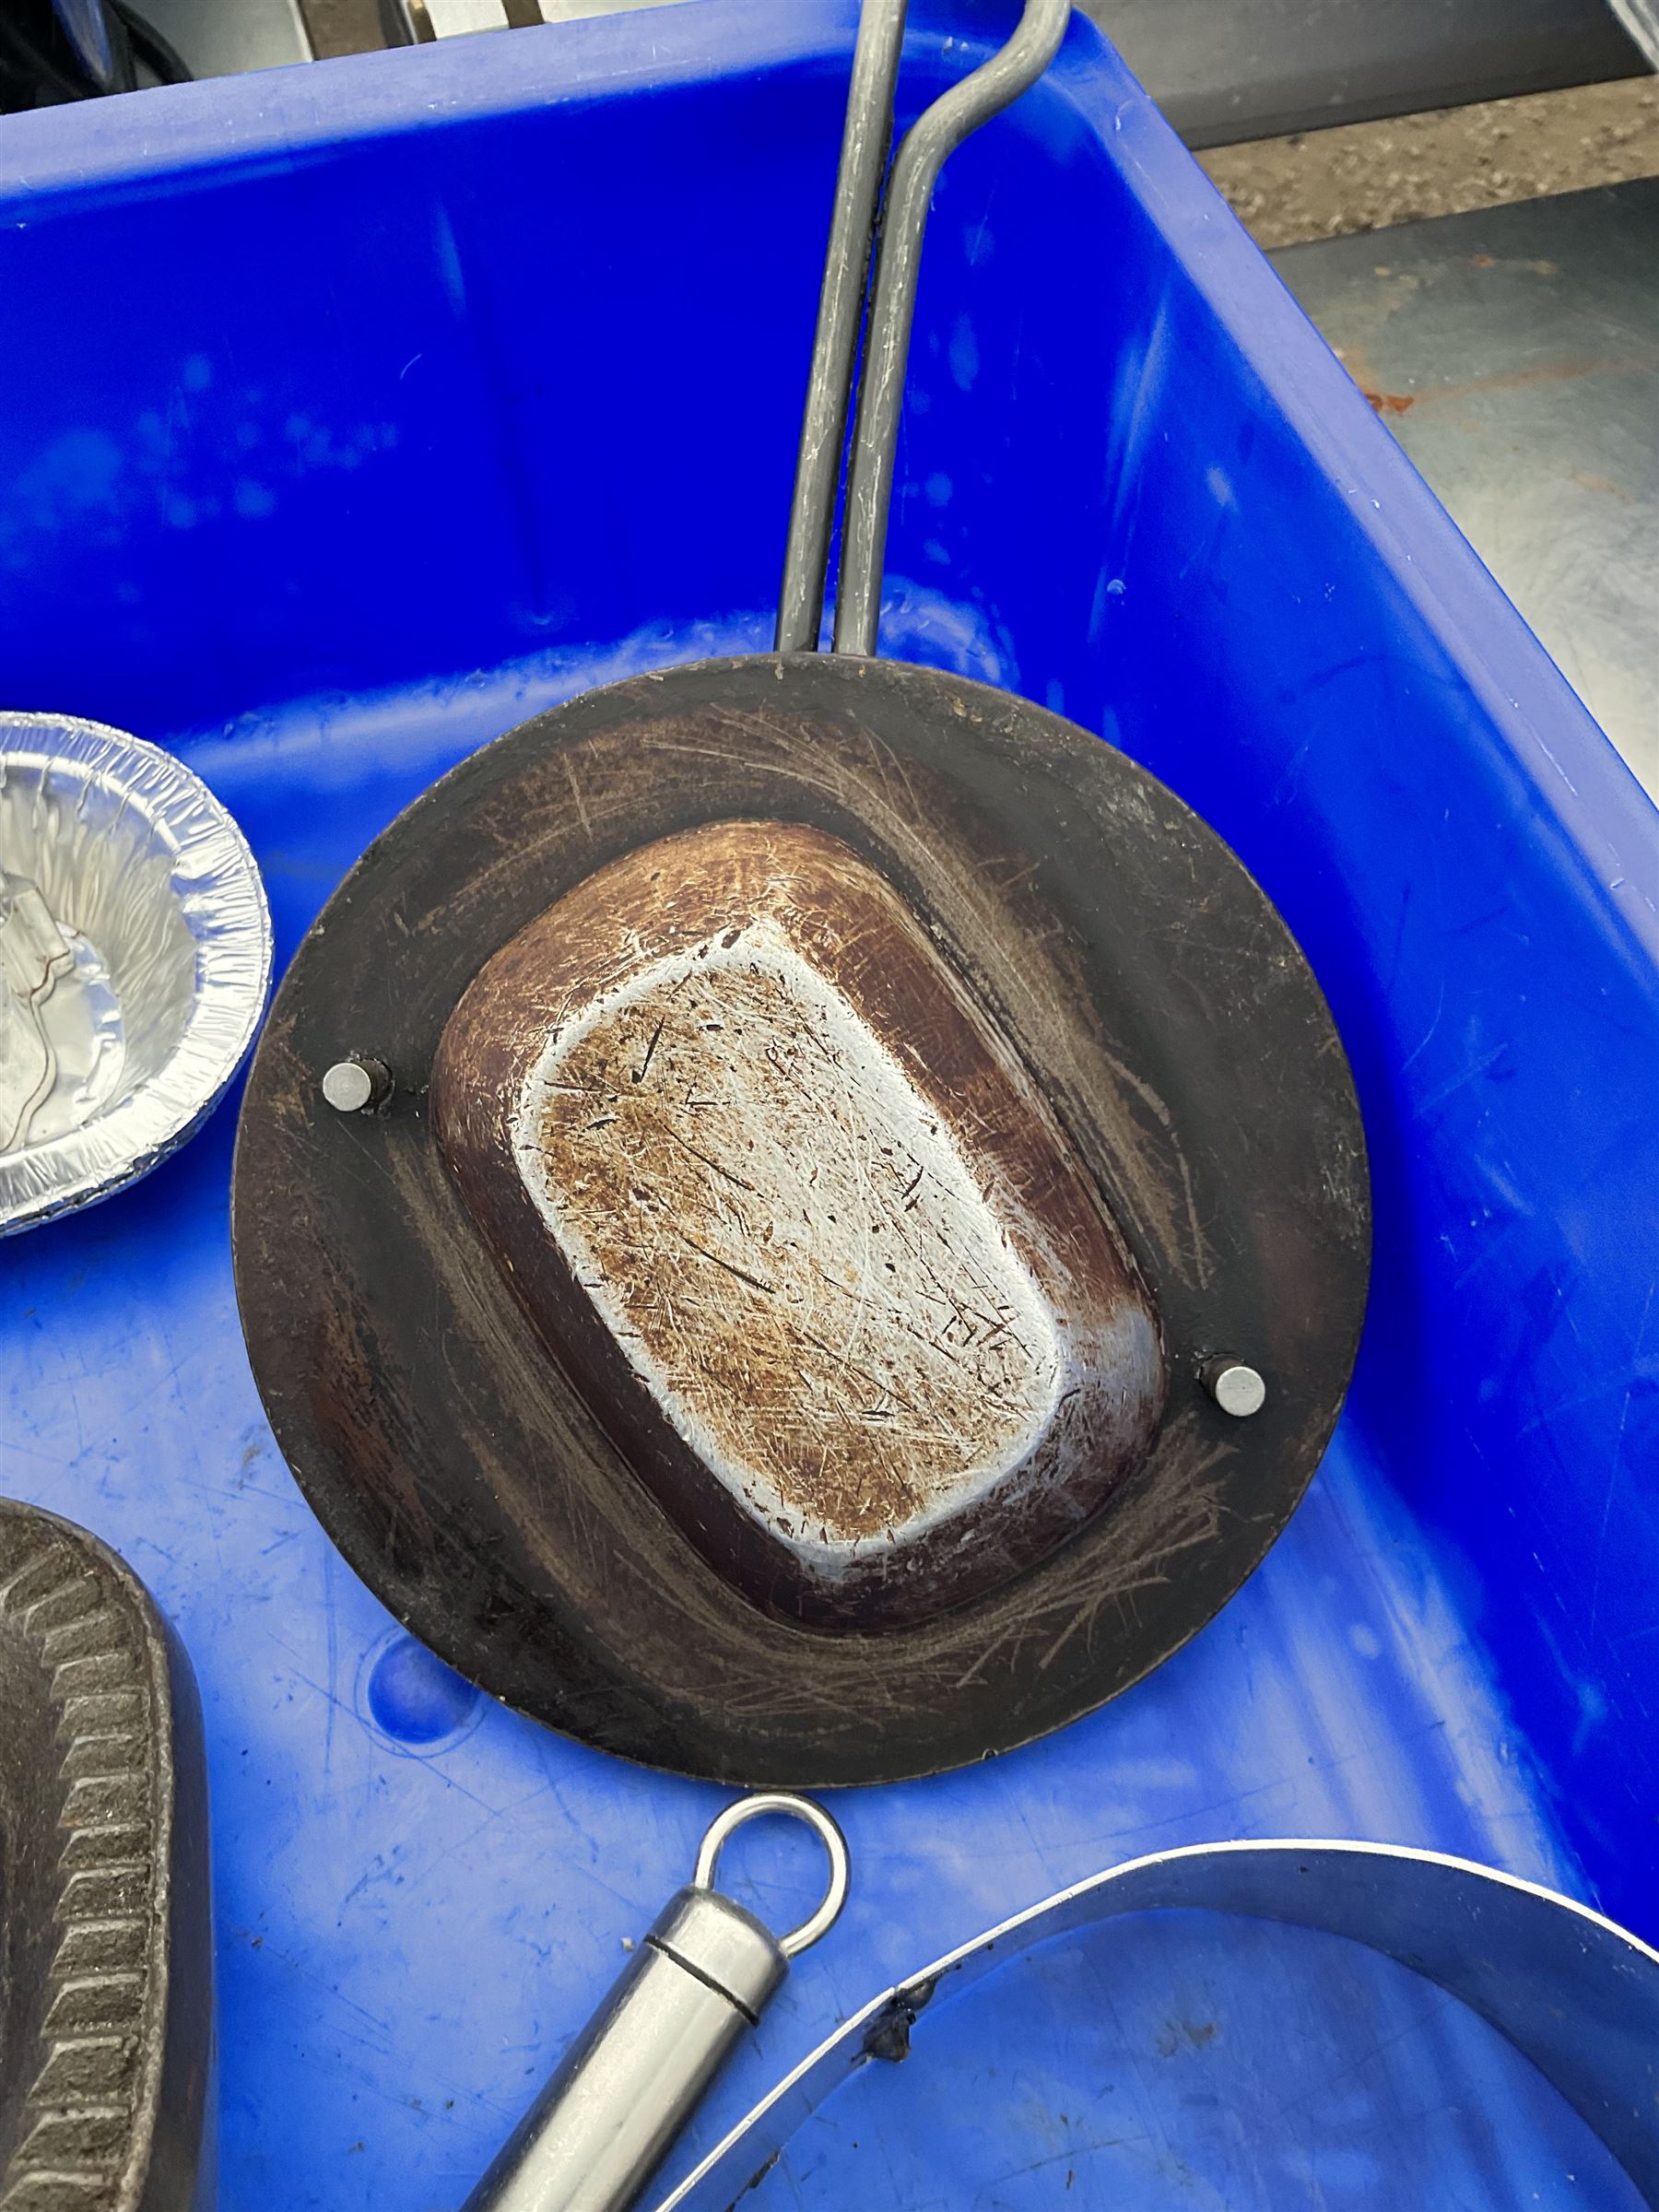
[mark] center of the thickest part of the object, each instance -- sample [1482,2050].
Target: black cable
[38,68]
[161,58]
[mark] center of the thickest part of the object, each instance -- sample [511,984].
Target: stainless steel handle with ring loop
[746,1810]
[626,2087]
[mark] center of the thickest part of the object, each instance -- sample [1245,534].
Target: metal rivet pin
[358,1085]
[1236,1388]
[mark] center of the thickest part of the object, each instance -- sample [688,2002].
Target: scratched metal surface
[759,1119]
[216,37]
[1218,556]
[460,1470]
[1514,353]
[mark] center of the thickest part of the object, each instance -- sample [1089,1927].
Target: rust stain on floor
[1353,359]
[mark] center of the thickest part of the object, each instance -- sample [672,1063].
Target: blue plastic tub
[351,414]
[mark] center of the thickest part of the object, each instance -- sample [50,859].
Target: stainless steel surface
[1575,1992]
[135,956]
[222,38]
[953,117]
[575,11]
[1224,70]
[721,1945]
[1237,1389]
[355,1086]
[819,1923]
[453,18]
[603,2123]
[422,20]
[1641,20]
[1514,353]
[626,2087]
[863,154]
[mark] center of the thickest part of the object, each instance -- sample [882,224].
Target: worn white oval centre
[783,1237]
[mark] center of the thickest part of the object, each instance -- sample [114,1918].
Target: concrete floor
[1365,176]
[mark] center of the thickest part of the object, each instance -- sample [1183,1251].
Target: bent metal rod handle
[631,2080]
[868,129]
[863,156]
[953,117]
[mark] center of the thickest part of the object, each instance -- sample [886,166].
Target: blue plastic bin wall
[349,414]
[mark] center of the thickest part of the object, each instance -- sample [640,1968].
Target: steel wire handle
[930,141]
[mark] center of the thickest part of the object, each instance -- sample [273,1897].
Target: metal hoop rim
[735,1816]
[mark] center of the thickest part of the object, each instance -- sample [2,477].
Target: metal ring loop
[802,1809]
